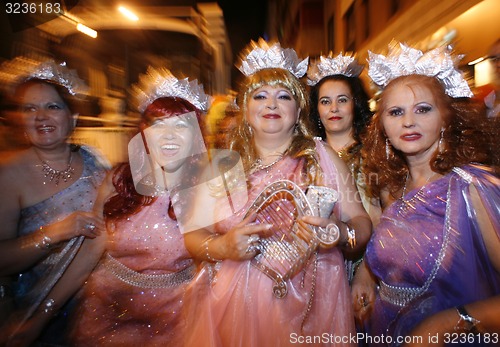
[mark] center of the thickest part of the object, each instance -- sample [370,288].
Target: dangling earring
[250,131]
[441,143]
[320,124]
[387,149]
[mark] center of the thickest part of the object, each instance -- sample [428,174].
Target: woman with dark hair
[48,193]
[135,294]
[340,113]
[342,132]
[431,268]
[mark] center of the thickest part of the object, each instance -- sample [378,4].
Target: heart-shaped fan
[284,253]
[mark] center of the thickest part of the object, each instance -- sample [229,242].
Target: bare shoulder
[15,169]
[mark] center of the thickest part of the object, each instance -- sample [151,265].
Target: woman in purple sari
[431,272]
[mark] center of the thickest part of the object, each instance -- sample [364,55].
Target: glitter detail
[263,55]
[402,296]
[59,74]
[137,279]
[157,83]
[283,254]
[402,60]
[346,65]
[464,174]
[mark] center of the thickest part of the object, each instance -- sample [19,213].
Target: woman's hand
[363,291]
[78,223]
[434,327]
[241,242]
[307,233]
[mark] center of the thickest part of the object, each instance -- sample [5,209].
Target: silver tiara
[157,83]
[261,55]
[60,74]
[402,60]
[346,65]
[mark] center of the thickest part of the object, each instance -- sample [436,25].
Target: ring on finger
[90,226]
[253,238]
[362,301]
[251,248]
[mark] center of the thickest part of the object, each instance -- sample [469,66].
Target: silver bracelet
[466,322]
[207,253]
[45,241]
[351,236]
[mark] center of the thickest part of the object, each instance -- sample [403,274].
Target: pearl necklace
[55,175]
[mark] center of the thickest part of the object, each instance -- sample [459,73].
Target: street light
[79,26]
[86,30]
[127,13]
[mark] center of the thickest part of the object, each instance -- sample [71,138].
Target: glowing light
[474,62]
[86,30]
[127,13]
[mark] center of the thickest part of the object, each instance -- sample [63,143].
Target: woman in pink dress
[134,296]
[258,289]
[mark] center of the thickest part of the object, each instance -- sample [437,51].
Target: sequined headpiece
[60,74]
[157,83]
[261,55]
[346,65]
[403,60]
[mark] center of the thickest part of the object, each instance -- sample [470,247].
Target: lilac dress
[232,304]
[428,252]
[134,296]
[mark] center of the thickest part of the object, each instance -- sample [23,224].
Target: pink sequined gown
[130,299]
[232,304]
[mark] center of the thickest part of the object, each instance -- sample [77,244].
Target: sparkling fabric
[429,252]
[232,304]
[114,311]
[32,286]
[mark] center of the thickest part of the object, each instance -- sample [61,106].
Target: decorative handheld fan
[284,253]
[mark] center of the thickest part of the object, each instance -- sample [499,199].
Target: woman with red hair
[134,295]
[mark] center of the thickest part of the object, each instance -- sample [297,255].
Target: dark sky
[245,21]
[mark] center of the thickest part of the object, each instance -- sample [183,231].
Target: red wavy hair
[466,139]
[127,201]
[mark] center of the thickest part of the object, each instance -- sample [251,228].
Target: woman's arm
[74,276]
[205,245]
[19,253]
[350,215]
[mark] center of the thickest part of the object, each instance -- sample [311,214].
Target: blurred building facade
[315,27]
[187,37]
[189,40]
